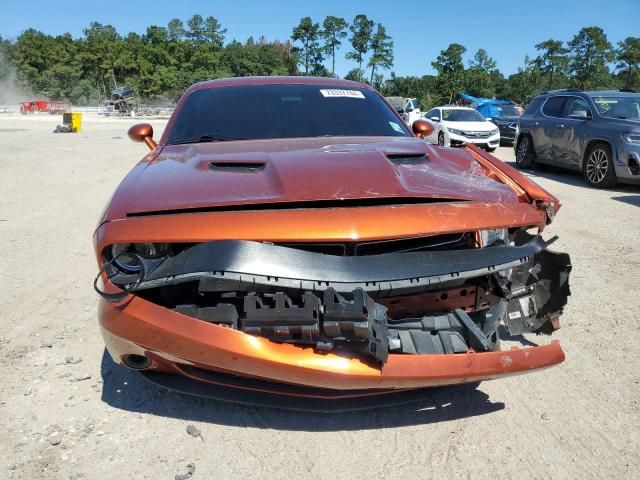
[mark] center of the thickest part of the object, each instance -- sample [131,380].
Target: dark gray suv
[596,133]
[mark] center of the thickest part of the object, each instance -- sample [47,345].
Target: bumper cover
[173,340]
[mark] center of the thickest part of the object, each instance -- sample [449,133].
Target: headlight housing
[494,131]
[498,236]
[125,256]
[455,131]
[631,137]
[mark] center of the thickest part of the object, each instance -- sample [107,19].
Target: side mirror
[579,115]
[408,110]
[488,119]
[143,132]
[434,119]
[422,128]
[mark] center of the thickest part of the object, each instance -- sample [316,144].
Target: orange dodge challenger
[289,241]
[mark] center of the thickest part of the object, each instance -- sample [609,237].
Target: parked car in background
[458,126]
[503,113]
[407,108]
[596,133]
[506,118]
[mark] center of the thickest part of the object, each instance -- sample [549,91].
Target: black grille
[377,247]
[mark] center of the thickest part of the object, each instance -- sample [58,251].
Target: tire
[490,149]
[524,152]
[441,139]
[597,167]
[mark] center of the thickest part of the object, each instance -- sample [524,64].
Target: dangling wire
[126,289]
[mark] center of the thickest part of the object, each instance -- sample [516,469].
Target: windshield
[459,115]
[283,111]
[506,111]
[618,107]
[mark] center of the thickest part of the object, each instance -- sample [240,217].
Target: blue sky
[508,30]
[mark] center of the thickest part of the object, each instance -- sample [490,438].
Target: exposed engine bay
[444,295]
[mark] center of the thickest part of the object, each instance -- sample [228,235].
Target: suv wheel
[598,167]
[524,152]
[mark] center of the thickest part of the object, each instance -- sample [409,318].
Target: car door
[406,113]
[573,132]
[545,133]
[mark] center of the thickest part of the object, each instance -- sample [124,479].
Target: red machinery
[53,107]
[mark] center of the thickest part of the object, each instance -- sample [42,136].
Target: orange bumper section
[173,340]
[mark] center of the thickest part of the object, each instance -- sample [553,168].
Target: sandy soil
[67,412]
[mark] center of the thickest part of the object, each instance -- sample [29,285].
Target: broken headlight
[125,256]
[499,236]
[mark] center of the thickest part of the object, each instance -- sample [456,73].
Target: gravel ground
[67,412]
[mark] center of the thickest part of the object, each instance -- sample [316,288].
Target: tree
[524,85]
[308,33]
[175,29]
[450,71]
[483,77]
[196,28]
[381,47]
[552,61]
[590,54]
[361,29]
[333,31]
[213,32]
[628,56]
[356,75]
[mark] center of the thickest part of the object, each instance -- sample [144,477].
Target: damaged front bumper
[285,315]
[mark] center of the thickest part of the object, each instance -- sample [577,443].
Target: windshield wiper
[208,138]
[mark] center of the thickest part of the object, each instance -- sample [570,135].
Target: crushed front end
[338,298]
[346,317]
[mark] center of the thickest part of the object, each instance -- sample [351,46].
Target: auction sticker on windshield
[342,93]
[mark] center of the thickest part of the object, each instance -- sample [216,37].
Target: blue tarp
[486,106]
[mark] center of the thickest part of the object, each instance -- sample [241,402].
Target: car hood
[473,126]
[228,174]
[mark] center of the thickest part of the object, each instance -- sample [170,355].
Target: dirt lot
[67,412]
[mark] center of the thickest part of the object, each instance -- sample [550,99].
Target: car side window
[575,105]
[433,113]
[533,106]
[554,107]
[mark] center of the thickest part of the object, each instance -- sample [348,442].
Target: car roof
[611,93]
[455,107]
[276,80]
[589,93]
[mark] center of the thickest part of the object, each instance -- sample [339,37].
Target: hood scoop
[407,158]
[237,166]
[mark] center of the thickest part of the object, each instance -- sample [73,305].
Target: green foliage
[159,64]
[308,34]
[333,31]
[381,46]
[591,54]
[552,62]
[451,74]
[361,31]
[162,62]
[421,88]
[482,78]
[628,57]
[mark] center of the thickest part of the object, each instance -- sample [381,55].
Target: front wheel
[524,152]
[441,139]
[490,149]
[598,168]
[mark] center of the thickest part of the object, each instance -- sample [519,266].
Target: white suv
[457,126]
